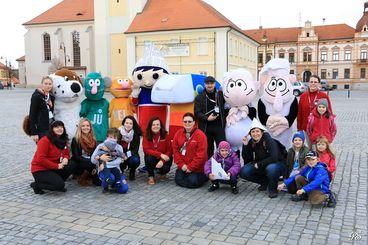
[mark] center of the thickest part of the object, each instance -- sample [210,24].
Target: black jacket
[77,152]
[39,114]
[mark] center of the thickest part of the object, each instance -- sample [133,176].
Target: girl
[130,141]
[157,150]
[326,155]
[229,161]
[321,122]
[296,154]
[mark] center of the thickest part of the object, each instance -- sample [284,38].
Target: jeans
[132,162]
[264,176]
[190,180]
[115,171]
[151,163]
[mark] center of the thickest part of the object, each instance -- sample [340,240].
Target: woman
[50,166]
[190,154]
[83,145]
[130,141]
[309,100]
[157,150]
[263,163]
[41,110]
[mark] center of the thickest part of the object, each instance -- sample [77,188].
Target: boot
[132,174]
[84,179]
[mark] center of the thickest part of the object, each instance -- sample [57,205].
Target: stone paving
[167,214]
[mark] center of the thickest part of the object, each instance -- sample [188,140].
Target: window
[76,49]
[362,72]
[346,73]
[307,34]
[323,56]
[46,47]
[335,74]
[203,73]
[363,54]
[268,57]
[323,73]
[347,55]
[203,46]
[292,72]
[282,55]
[307,56]
[291,57]
[260,58]
[335,55]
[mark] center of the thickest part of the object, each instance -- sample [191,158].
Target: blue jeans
[264,176]
[115,171]
[132,162]
[189,180]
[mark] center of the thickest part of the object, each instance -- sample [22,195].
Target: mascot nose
[75,87]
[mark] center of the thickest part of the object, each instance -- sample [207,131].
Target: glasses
[188,121]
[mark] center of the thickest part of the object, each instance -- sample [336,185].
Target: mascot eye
[155,76]
[66,78]
[97,82]
[139,76]
[120,81]
[231,84]
[91,82]
[272,85]
[281,85]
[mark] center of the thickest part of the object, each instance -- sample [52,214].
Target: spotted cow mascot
[277,106]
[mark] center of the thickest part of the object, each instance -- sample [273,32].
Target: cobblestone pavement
[167,214]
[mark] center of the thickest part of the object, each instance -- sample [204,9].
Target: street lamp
[264,39]
[62,48]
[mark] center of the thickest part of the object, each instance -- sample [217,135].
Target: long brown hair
[149,133]
[323,139]
[87,142]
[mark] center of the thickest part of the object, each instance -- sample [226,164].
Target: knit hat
[276,67]
[257,124]
[311,155]
[110,144]
[323,102]
[224,145]
[152,57]
[300,135]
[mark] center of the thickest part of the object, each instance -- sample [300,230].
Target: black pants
[215,134]
[233,181]
[151,163]
[190,180]
[53,180]
[80,166]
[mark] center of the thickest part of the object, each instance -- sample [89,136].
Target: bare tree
[56,64]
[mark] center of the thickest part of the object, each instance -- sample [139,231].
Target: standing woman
[50,166]
[83,145]
[157,150]
[130,141]
[309,100]
[41,110]
[190,154]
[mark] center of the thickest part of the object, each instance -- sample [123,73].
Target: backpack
[26,126]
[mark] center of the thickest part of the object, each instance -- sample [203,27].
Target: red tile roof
[325,32]
[66,11]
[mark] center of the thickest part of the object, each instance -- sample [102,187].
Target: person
[50,165]
[41,110]
[230,163]
[209,109]
[312,183]
[113,153]
[83,145]
[308,101]
[157,150]
[321,122]
[263,163]
[130,141]
[326,155]
[190,154]
[295,160]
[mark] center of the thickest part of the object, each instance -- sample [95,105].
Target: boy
[312,183]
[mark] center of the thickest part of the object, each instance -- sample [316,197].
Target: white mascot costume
[68,91]
[239,90]
[277,106]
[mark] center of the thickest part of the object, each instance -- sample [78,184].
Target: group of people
[192,149]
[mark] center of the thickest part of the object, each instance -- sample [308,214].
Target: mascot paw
[231,120]
[135,92]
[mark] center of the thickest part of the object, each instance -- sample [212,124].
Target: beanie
[299,134]
[224,145]
[110,144]
[323,102]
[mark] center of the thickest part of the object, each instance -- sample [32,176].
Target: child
[229,161]
[108,156]
[321,122]
[326,155]
[312,183]
[296,154]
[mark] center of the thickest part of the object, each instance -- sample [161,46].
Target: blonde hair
[323,139]
[46,78]
[78,133]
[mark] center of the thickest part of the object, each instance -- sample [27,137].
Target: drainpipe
[227,49]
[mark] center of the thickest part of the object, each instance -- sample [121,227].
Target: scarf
[126,136]
[88,143]
[60,143]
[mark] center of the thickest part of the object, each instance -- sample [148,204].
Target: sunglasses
[188,121]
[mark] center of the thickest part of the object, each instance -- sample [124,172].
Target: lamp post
[264,39]
[62,48]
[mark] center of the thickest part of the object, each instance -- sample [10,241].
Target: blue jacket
[317,178]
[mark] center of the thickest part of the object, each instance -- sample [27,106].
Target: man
[209,110]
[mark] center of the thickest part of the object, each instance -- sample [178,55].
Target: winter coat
[230,164]
[133,146]
[316,176]
[319,125]
[158,146]
[39,113]
[77,153]
[290,158]
[111,164]
[330,162]
[196,150]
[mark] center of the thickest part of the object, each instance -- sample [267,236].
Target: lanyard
[213,101]
[314,103]
[155,144]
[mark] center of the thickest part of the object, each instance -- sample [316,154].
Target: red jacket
[163,146]
[47,156]
[327,158]
[307,103]
[321,126]
[196,150]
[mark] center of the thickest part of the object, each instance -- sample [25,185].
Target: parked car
[325,86]
[299,88]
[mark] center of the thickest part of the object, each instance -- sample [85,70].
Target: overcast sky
[245,14]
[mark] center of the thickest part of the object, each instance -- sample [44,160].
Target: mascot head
[66,86]
[121,88]
[95,85]
[277,83]
[150,68]
[239,88]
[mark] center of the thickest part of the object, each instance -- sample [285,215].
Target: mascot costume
[121,105]
[239,90]
[68,91]
[95,107]
[277,106]
[150,68]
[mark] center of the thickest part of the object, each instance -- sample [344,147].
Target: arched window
[76,49]
[46,47]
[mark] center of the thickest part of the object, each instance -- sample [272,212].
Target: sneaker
[273,194]
[296,198]
[105,190]
[213,187]
[143,169]
[151,181]
[234,190]
[332,200]
[36,189]
[262,188]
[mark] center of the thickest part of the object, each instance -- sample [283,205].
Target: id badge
[183,152]
[217,109]
[128,154]
[61,159]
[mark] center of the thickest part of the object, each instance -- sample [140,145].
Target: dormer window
[307,34]
[364,28]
